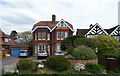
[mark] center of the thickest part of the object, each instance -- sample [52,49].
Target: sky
[21,15]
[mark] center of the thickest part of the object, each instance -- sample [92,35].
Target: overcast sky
[21,15]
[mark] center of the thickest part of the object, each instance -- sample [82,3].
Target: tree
[25,36]
[107,45]
[83,53]
[89,42]
[68,42]
[14,33]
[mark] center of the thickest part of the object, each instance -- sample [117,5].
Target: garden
[83,56]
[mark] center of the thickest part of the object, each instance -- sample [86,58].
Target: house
[5,42]
[47,35]
[98,30]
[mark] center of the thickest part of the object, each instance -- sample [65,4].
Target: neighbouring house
[98,30]
[15,49]
[47,35]
[5,42]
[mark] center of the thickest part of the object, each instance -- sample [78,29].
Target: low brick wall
[73,62]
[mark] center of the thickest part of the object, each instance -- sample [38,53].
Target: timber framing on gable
[95,30]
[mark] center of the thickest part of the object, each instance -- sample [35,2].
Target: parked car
[59,53]
[42,54]
[24,53]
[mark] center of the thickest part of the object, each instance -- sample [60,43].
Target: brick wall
[73,62]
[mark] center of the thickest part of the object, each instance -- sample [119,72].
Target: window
[48,49]
[48,37]
[42,47]
[58,47]
[58,35]
[41,36]
[36,49]
[6,39]
[62,35]
[62,24]
[35,36]
[66,34]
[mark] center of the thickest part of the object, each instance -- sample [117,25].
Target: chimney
[90,25]
[53,17]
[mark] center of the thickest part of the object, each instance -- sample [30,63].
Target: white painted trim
[114,30]
[94,27]
[59,23]
[40,27]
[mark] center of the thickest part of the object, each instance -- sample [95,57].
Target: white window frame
[6,39]
[58,49]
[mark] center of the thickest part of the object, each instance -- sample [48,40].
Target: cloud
[80,13]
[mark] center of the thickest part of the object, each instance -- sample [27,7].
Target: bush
[83,53]
[58,63]
[24,64]
[118,63]
[94,68]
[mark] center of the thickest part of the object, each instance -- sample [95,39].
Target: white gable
[96,30]
[116,32]
[62,23]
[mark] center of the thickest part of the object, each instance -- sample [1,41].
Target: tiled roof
[82,31]
[50,24]
[20,45]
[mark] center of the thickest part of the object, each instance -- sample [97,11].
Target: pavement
[9,63]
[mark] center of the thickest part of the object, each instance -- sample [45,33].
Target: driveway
[9,63]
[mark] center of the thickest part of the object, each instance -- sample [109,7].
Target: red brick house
[5,42]
[48,35]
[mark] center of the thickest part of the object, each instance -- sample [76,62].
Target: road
[9,63]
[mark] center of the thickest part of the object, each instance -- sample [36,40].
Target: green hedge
[57,63]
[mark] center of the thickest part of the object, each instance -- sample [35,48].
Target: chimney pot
[53,17]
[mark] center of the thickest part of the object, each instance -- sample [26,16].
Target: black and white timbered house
[98,30]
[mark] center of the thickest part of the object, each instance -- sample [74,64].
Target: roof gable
[115,31]
[95,30]
[51,25]
[62,23]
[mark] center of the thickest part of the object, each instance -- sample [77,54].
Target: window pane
[40,35]
[43,36]
[62,35]
[58,35]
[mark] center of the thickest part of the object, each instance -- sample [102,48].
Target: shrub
[118,63]
[24,64]
[58,63]
[83,53]
[94,68]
